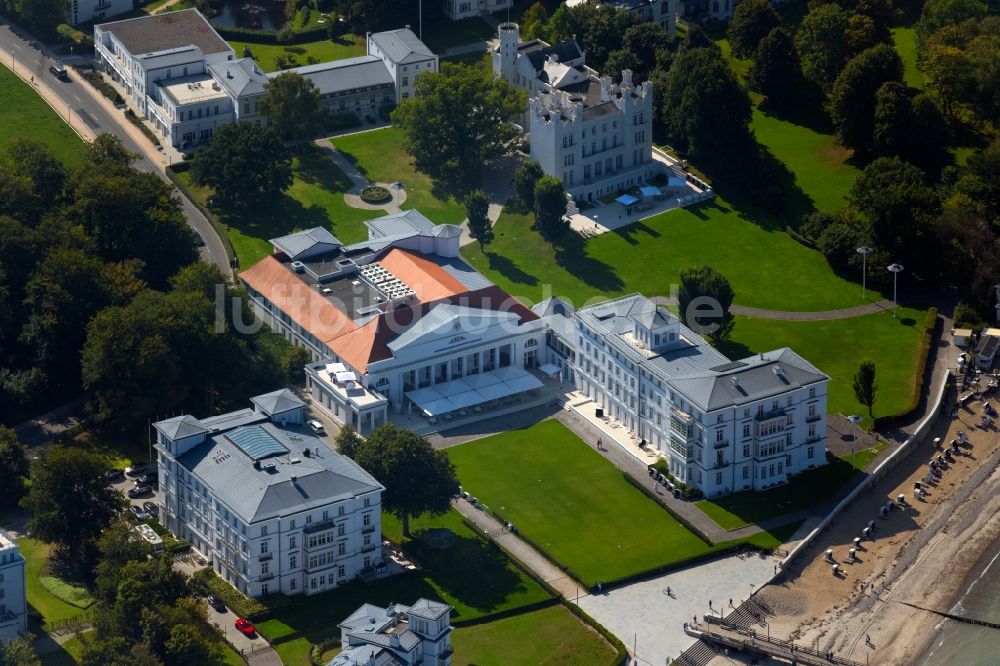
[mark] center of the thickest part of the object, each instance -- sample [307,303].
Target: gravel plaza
[643,615]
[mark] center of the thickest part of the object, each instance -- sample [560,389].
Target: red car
[246,627]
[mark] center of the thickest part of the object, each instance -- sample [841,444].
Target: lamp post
[864,251]
[854,456]
[895,269]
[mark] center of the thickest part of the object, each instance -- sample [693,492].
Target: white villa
[396,322]
[663,12]
[181,75]
[460,9]
[397,636]
[85,11]
[595,135]
[13,605]
[723,426]
[271,507]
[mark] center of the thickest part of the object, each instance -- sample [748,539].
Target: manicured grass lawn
[547,636]
[315,199]
[295,652]
[766,267]
[818,163]
[894,345]
[380,156]
[567,498]
[24,114]
[324,50]
[906,46]
[472,576]
[50,607]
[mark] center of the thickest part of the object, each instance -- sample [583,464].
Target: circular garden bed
[375,195]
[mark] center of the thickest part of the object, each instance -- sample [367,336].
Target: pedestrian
[654,486]
[868,639]
[694,620]
[730,602]
[669,591]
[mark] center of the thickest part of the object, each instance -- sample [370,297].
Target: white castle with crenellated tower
[593,134]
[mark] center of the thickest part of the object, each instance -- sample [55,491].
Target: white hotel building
[595,135]
[273,508]
[723,426]
[13,605]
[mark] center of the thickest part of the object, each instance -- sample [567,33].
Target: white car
[316,427]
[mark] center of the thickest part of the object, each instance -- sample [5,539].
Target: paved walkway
[358,182]
[885,305]
[524,553]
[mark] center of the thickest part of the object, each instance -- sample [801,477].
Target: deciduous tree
[418,479]
[13,468]
[525,178]
[752,21]
[821,43]
[852,102]
[704,298]
[775,71]
[70,502]
[291,104]
[550,207]
[457,120]
[477,208]
[244,164]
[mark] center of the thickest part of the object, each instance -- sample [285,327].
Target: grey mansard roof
[401,46]
[285,483]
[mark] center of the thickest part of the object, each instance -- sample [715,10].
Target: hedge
[931,324]
[233,598]
[102,86]
[220,229]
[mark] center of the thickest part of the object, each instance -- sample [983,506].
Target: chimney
[626,77]
[307,452]
[553,57]
[605,89]
[256,464]
[229,74]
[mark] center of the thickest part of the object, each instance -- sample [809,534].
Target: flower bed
[375,195]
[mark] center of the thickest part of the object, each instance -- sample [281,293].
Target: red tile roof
[302,303]
[427,280]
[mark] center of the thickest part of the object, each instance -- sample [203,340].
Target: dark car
[149,478]
[216,603]
[139,490]
[136,469]
[151,509]
[114,476]
[246,627]
[197,239]
[137,511]
[59,72]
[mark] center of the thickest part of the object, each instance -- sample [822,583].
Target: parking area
[127,483]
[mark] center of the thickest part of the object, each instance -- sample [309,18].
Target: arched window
[531,343]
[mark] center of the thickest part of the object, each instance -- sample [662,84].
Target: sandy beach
[921,555]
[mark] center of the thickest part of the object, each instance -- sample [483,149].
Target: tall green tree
[457,120]
[775,71]
[852,102]
[821,43]
[550,207]
[292,106]
[19,652]
[937,14]
[42,16]
[893,126]
[752,21]
[418,479]
[116,547]
[13,468]
[526,177]
[864,385]
[477,208]
[704,298]
[706,112]
[598,28]
[32,158]
[70,502]
[348,440]
[244,165]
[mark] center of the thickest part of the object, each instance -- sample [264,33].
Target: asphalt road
[82,100]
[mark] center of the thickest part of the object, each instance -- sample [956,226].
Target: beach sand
[921,555]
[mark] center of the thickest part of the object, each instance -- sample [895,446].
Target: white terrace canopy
[473,390]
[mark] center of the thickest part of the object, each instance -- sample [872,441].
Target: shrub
[294,49]
[375,195]
[206,580]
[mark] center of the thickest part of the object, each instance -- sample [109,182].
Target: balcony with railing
[265,557]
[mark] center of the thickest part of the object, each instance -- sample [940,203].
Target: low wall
[884,467]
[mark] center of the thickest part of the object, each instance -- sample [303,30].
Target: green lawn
[324,50]
[818,163]
[295,652]
[803,491]
[766,267]
[315,199]
[548,636]
[906,45]
[380,156]
[25,114]
[564,496]
[50,607]
[894,345]
[473,577]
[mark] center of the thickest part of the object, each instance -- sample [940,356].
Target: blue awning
[627,200]
[649,191]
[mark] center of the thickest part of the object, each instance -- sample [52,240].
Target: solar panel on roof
[256,442]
